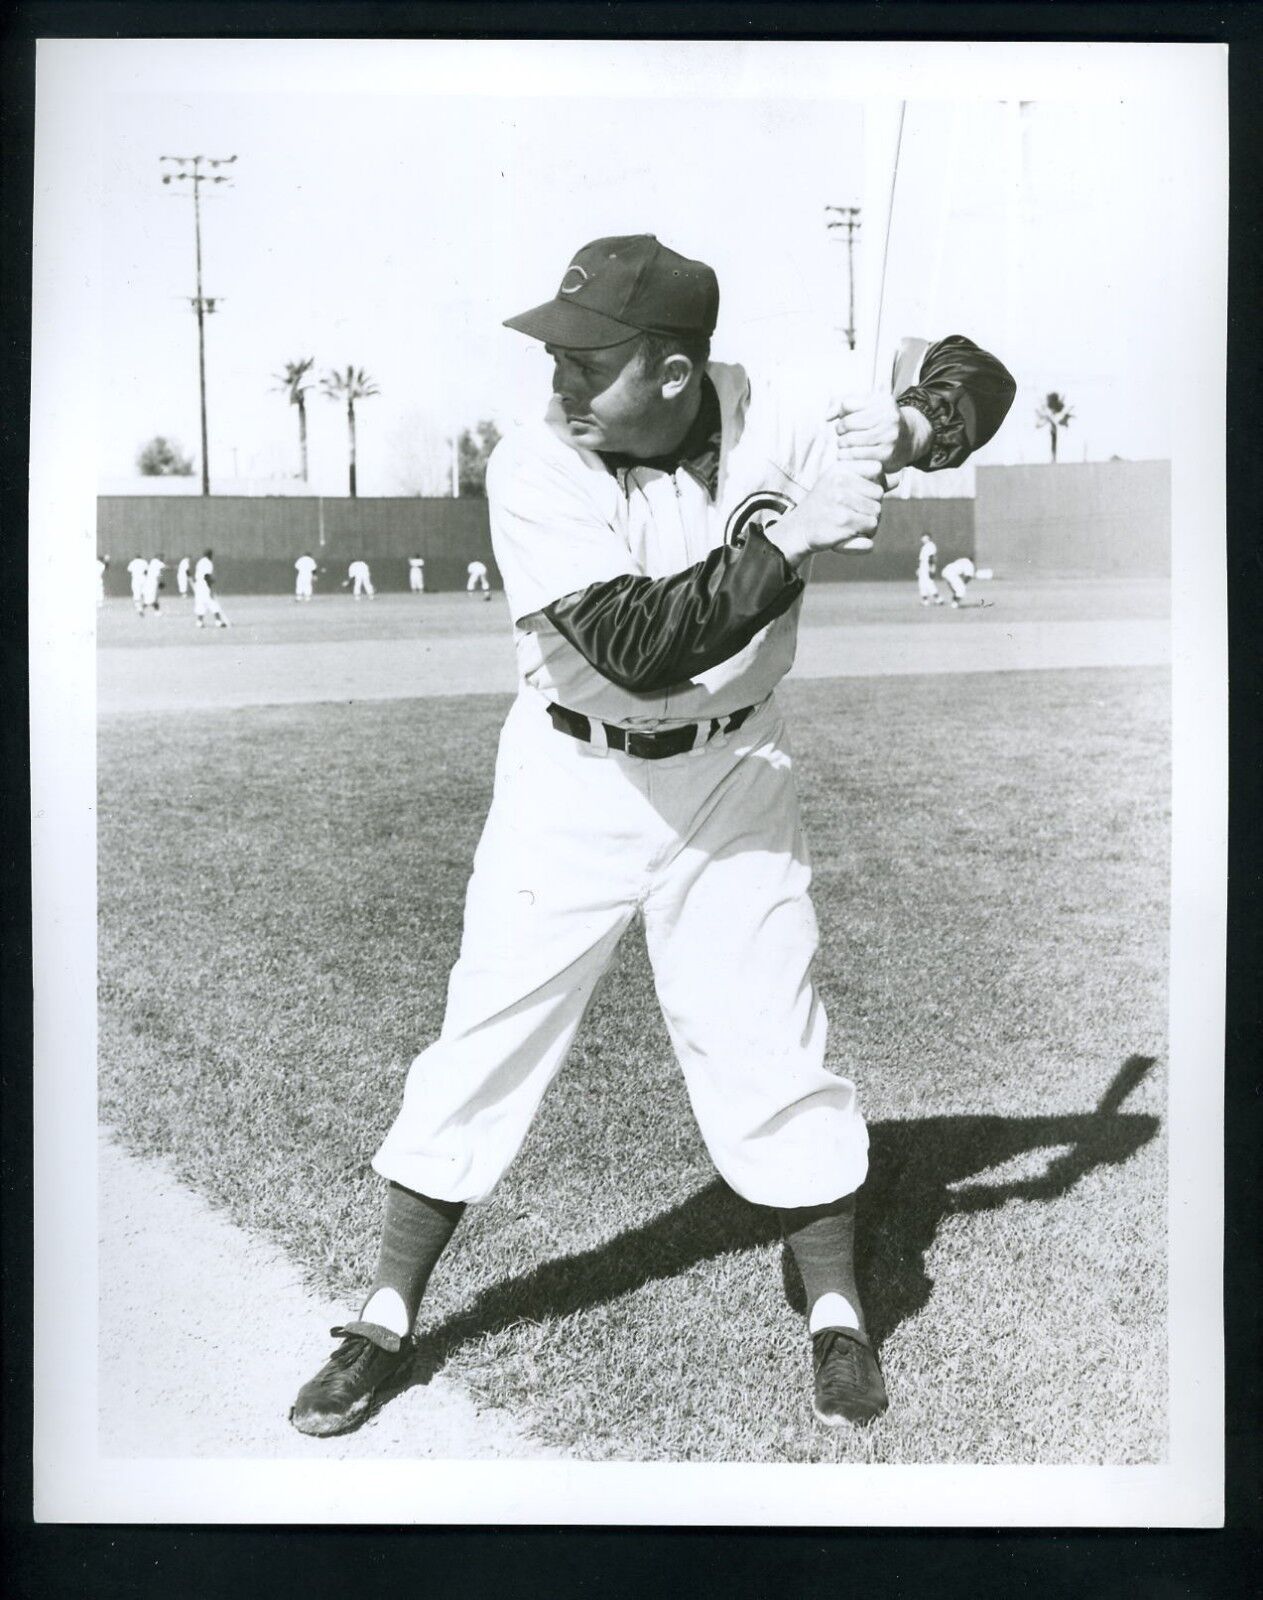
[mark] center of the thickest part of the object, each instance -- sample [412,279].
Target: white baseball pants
[708,847]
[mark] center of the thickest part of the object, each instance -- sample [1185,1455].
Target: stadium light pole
[839,220]
[190,171]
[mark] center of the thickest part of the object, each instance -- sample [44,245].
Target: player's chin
[586,432]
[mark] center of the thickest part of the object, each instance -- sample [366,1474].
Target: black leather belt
[648,746]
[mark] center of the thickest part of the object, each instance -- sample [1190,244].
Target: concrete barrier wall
[256,541]
[1075,519]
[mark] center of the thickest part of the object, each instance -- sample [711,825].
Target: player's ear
[675,372]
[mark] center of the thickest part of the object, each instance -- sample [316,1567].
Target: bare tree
[352,385]
[1054,414]
[291,383]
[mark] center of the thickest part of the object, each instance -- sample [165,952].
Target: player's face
[610,401]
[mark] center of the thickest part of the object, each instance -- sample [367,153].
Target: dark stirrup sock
[822,1239]
[415,1231]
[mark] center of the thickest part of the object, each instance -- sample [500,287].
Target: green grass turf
[280,899]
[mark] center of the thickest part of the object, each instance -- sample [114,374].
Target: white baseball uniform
[153,576]
[361,580]
[956,575]
[477,582]
[205,601]
[305,568]
[137,567]
[182,576]
[581,838]
[416,574]
[926,586]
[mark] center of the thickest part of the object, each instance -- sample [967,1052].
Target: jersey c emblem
[757,512]
[573,281]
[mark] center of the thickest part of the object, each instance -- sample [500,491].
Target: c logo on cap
[571,288]
[757,512]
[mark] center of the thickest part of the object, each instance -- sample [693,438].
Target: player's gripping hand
[844,504]
[874,428]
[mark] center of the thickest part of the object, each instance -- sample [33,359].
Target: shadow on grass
[918,1175]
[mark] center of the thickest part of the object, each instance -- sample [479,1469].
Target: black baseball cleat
[849,1386]
[344,1391]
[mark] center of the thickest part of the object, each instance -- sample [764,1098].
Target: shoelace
[828,1340]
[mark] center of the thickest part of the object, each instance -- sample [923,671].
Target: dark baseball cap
[616,288]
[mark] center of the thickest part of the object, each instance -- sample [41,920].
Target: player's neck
[670,428]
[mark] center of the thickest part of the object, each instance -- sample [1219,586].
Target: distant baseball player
[102,567]
[926,558]
[416,575]
[477,582]
[154,569]
[360,579]
[183,574]
[653,530]
[305,576]
[137,568]
[205,600]
[957,575]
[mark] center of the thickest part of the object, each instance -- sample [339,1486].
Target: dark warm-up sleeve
[647,634]
[965,394]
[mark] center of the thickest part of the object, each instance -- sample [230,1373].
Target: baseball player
[205,600]
[360,579]
[416,575]
[137,567]
[926,586]
[154,569]
[653,530]
[957,575]
[477,581]
[182,577]
[102,566]
[305,574]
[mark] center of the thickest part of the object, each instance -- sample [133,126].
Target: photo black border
[125,1561]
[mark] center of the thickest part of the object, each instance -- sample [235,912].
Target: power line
[846,220]
[190,172]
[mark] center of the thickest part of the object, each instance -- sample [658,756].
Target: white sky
[391,221]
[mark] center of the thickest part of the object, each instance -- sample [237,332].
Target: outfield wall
[950,523]
[256,539]
[1075,519]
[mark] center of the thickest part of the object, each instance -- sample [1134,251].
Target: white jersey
[925,558]
[415,563]
[137,567]
[478,569]
[962,567]
[358,569]
[561,520]
[305,566]
[202,572]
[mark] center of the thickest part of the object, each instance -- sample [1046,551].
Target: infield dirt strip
[256,664]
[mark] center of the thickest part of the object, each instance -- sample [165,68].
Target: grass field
[280,898]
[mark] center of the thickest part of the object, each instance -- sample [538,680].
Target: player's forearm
[648,634]
[964,395]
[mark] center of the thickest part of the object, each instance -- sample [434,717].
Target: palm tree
[352,385]
[1054,414]
[290,382]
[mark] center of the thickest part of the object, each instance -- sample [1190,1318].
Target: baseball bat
[905,369]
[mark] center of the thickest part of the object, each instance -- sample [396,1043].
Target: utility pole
[839,220]
[190,171]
